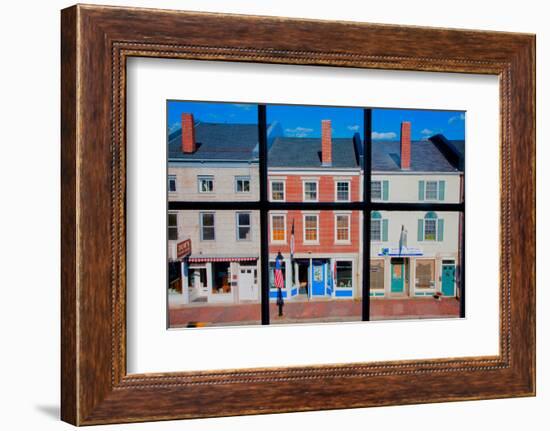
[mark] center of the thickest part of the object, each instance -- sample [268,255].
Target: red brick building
[321,248]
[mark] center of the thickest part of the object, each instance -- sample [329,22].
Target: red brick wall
[327,189]
[326,234]
[294,193]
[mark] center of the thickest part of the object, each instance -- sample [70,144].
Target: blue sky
[305,121]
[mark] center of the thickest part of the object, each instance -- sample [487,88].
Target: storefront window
[425,274]
[196,277]
[344,273]
[221,274]
[377,274]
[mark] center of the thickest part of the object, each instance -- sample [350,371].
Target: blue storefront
[315,278]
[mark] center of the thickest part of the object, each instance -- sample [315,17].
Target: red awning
[221,259]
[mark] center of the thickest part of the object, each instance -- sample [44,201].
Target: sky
[305,121]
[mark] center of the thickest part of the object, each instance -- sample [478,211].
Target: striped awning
[221,259]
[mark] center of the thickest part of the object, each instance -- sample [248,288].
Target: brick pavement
[312,311]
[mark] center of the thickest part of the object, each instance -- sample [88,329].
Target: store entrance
[303,276]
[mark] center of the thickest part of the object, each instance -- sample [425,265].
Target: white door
[248,291]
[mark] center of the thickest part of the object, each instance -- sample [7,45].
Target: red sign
[184,248]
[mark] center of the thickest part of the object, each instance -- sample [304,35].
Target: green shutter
[385,229]
[442,190]
[385,190]
[420,190]
[420,229]
[440,228]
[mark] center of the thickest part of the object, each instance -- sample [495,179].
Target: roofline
[203,161]
[417,172]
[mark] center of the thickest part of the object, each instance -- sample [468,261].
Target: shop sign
[183,248]
[400,251]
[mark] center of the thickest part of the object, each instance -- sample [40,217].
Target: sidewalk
[312,311]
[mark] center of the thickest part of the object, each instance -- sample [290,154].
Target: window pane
[413,277]
[342,191]
[215,282]
[321,277]
[244,219]
[213,150]
[310,191]
[319,151]
[375,230]
[430,227]
[431,190]
[376,190]
[277,227]
[208,219]
[277,190]
[342,227]
[172,219]
[418,155]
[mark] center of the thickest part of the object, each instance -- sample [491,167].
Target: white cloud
[354,128]
[454,118]
[427,132]
[299,132]
[173,127]
[242,106]
[383,135]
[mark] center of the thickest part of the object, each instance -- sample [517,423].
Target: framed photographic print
[332,215]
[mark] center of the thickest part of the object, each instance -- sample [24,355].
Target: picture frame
[96,41]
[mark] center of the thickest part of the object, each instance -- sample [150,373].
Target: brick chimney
[326,143]
[188,143]
[405,145]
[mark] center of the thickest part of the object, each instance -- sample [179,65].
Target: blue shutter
[420,229]
[385,229]
[385,190]
[420,190]
[442,190]
[440,228]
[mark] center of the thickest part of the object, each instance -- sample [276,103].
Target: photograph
[320,163]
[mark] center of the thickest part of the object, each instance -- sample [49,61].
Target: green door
[448,280]
[397,276]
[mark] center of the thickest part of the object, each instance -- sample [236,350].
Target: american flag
[279,279]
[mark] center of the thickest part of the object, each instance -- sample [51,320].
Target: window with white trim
[310,191]
[342,227]
[432,191]
[206,183]
[278,228]
[311,228]
[342,191]
[242,184]
[277,191]
[430,229]
[376,190]
[172,185]
[207,226]
[244,231]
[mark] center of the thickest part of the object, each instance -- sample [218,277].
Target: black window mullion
[264,208]
[367,170]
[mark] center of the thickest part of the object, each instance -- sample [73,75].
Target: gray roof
[306,153]
[239,142]
[426,156]
[218,141]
